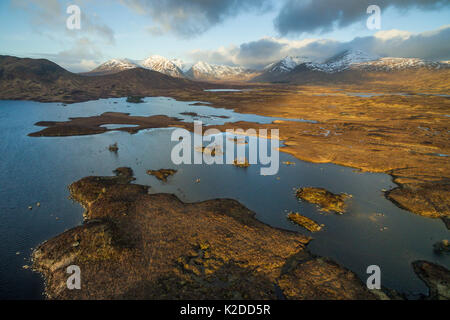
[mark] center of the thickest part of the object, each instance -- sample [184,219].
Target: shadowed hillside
[43,80]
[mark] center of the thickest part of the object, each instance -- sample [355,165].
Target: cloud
[430,45]
[50,16]
[82,56]
[191,18]
[299,16]
[259,53]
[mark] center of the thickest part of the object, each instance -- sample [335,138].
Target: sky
[250,33]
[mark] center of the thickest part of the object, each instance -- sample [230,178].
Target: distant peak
[116,65]
[287,64]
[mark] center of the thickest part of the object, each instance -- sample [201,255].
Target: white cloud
[82,56]
[432,45]
[394,33]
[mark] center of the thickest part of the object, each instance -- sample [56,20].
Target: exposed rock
[327,201]
[135,245]
[113,148]
[305,222]
[241,163]
[436,277]
[162,174]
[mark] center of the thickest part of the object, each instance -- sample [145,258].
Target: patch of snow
[163,65]
[287,64]
[206,70]
[116,65]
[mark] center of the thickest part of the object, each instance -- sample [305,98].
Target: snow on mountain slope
[163,65]
[392,64]
[205,71]
[343,61]
[183,66]
[286,65]
[115,65]
[337,63]
[282,70]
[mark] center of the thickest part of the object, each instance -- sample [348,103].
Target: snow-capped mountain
[183,66]
[284,70]
[206,71]
[338,63]
[343,61]
[393,64]
[163,65]
[286,65]
[114,66]
[301,70]
[177,68]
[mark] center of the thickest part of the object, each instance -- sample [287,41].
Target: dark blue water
[40,169]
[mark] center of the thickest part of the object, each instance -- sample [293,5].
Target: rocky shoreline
[136,245]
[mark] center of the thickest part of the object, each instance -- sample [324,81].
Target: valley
[392,124]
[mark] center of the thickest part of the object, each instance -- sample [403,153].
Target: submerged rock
[135,245]
[442,247]
[305,222]
[436,277]
[123,175]
[124,172]
[135,99]
[327,201]
[162,174]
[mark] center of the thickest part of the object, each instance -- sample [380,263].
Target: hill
[43,80]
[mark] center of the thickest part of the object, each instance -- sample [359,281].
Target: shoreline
[220,239]
[307,141]
[281,149]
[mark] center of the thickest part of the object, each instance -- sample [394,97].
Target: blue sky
[221,32]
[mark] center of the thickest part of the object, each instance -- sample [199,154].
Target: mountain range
[288,69]
[177,68]
[43,80]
